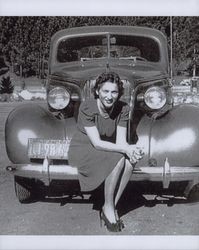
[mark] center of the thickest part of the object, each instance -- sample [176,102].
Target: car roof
[135,30]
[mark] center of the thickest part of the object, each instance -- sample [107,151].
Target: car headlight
[155,97]
[58,98]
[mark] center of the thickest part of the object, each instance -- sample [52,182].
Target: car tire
[24,189]
[194,194]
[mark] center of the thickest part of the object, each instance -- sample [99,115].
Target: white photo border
[99,8]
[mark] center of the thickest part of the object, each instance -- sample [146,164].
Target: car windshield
[126,47]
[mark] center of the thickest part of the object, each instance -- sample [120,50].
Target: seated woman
[99,149]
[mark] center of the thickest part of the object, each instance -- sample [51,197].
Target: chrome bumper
[47,172]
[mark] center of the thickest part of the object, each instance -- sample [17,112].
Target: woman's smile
[109,101]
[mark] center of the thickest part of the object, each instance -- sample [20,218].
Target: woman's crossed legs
[115,184]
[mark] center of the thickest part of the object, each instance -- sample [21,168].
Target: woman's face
[108,94]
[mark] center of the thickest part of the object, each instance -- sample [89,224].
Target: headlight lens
[155,97]
[58,98]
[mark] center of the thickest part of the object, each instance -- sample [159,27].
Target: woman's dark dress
[95,165]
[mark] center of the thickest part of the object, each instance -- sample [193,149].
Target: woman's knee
[121,163]
[113,177]
[119,166]
[128,165]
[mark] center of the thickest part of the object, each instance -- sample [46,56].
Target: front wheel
[24,189]
[194,194]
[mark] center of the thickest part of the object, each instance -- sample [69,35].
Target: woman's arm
[121,135]
[120,145]
[133,152]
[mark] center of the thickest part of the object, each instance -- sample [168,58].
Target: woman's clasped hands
[134,153]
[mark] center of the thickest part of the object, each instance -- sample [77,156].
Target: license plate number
[53,149]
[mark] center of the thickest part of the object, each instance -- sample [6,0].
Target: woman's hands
[134,153]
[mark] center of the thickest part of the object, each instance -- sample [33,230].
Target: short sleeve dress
[95,165]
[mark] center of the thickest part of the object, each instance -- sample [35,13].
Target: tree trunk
[21,70]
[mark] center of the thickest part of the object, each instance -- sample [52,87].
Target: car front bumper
[47,172]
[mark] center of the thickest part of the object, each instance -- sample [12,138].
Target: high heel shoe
[112,227]
[119,221]
[121,224]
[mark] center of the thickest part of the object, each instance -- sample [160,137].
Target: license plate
[53,149]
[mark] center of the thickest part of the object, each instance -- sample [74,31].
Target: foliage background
[25,40]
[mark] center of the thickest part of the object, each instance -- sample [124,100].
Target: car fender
[33,121]
[174,136]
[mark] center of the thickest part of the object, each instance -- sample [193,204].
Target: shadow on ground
[136,195]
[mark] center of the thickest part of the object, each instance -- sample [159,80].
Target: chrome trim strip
[65,172]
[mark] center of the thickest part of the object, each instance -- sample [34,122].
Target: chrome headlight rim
[58,98]
[152,95]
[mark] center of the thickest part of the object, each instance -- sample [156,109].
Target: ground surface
[141,213]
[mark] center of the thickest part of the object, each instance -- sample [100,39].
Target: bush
[6,86]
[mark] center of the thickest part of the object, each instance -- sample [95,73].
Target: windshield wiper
[84,59]
[134,58]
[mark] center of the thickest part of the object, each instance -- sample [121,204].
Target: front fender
[32,121]
[174,136]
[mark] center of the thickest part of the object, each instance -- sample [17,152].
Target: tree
[6,86]
[25,41]
[3,67]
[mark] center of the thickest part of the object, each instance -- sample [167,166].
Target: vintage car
[37,137]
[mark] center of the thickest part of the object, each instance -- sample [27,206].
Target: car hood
[135,72]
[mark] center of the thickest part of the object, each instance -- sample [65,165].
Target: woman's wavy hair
[111,77]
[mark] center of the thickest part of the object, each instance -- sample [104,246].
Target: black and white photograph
[99,125]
